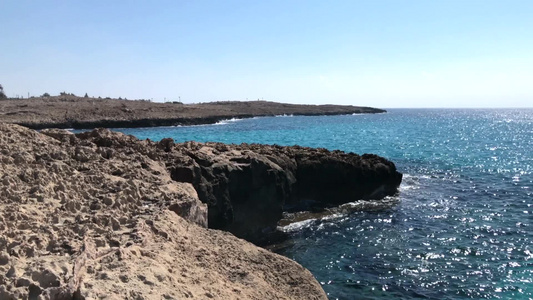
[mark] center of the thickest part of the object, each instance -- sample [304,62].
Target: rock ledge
[98,215]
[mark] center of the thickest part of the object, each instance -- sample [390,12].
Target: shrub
[2,94]
[45,95]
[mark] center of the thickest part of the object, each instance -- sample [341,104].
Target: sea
[461,225]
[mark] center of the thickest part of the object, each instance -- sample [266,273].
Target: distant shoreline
[74,112]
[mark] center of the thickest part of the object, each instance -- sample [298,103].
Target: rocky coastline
[247,187]
[101,213]
[68,111]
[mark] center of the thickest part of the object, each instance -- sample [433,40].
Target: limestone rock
[248,186]
[99,215]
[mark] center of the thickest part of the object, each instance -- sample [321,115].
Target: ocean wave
[367,205]
[228,121]
[293,222]
[412,182]
[297,226]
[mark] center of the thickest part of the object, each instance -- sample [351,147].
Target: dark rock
[166,144]
[247,187]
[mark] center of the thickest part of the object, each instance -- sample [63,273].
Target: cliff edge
[247,187]
[99,215]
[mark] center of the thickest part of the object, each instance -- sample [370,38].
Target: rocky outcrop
[248,187]
[101,214]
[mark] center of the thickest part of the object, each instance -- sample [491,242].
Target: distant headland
[70,111]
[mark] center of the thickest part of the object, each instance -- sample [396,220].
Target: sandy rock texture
[99,216]
[69,111]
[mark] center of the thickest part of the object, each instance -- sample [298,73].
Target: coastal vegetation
[2,94]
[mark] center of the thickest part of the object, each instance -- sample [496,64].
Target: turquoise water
[461,226]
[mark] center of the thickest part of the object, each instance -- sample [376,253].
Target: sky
[387,54]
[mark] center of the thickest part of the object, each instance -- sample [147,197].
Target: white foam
[228,121]
[296,226]
[412,182]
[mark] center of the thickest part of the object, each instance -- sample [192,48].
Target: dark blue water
[461,226]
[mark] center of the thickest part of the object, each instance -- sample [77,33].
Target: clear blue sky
[374,53]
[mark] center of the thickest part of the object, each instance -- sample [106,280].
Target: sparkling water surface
[461,226]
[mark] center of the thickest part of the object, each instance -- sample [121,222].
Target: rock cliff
[247,187]
[101,214]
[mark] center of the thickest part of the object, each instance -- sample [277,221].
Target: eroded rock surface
[102,214]
[247,187]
